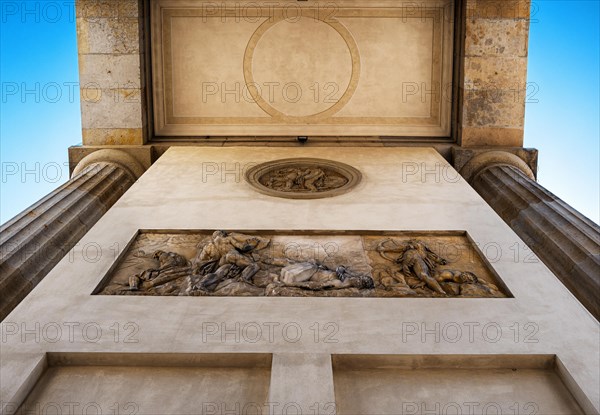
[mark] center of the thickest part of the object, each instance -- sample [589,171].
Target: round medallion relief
[303,178]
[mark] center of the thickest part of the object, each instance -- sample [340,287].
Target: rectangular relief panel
[349,67]
[303,264]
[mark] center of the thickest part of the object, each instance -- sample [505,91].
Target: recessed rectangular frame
[168,126]
[412,233]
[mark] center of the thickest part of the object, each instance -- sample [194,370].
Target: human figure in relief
[227,255]
[167,261]
[416,259]
[312,276]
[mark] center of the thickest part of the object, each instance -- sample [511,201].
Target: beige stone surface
[91,9]
[109,36]
[111,108]
[494,85]
[461,156]
[101,35]
[149,390]
[402,189]
[110,71]
[438,384]
[494,108]
[484,160]
[498,9]
[143,154]
[441,391]
[496,45]
[504,74]
[501,37]
[254,68]
[308,377]
[490,136]
[111,156]
[112,136]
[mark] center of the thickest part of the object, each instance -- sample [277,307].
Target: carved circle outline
[275,113]
[253,175]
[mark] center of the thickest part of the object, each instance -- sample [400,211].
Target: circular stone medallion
[303,178]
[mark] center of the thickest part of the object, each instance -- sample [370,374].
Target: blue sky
[40,115]
[564,54]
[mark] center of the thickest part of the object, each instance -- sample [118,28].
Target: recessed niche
[151,384]
[394,384]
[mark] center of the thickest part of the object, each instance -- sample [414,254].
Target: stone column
[34,241]
[565,240]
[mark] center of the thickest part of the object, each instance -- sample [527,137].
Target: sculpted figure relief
[231,263]
[417,261]
[170,265]
[297,179]
[228,255]
[318,277]
[303,178]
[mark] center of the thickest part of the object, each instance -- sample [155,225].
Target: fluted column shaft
[34,241]
[565,240]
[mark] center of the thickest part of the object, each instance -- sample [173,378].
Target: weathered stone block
[498,9]
[112,136]
[111,108]
[500,73]
[490,136]
[108,35]
[110,71]
[494,108]
[93,9]
[486,37]
[130,8]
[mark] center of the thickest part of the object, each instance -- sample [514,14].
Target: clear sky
[40,115]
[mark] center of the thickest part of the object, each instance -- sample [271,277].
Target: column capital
[483,161]
[112,156]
